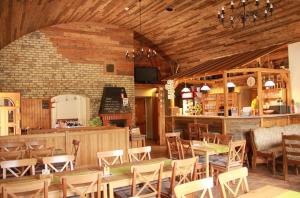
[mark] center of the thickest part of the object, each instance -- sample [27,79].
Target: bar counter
[236,125]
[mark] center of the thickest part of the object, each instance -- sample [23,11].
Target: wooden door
[140,114]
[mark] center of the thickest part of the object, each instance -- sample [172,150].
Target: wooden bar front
[91,140]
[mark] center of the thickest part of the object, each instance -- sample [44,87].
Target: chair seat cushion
[212,158]
[277,151]
[224,163]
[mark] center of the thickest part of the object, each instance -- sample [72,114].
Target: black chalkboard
[112,101]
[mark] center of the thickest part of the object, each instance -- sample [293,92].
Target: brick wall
[68,59]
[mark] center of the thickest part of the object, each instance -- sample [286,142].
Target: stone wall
[68,59]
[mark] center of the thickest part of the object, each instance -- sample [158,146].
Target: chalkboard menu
[113,101]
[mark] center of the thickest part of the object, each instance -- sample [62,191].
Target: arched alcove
[70,107]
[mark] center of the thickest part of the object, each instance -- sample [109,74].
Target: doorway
[146,116]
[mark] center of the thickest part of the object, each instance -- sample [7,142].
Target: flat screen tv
[146,75]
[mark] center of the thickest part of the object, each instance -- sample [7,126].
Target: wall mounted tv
[145,75]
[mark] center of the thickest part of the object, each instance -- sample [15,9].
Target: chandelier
[141,52]
[244,12]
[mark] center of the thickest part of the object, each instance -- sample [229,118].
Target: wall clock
[251,81]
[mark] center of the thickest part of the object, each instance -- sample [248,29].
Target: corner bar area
[251,92]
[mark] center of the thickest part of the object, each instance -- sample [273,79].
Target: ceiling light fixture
[185,89]
[141,52]
[243,12]
[230,84]
[269,83]
[205,87]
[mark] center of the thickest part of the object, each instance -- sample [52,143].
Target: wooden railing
[91,140]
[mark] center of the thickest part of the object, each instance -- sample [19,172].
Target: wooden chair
[204,185]
[231,176]
[139,154]
[195,130]
[173,145]
[12,146]
[223,139]
[209,137]
[186,150]
[291,152]
[34,145]
[66,160]
[12,155]
[183,171]
[233,160]
[75,149]
[136,136]
[146,174]
[33,189]
[40,153]
[110,158]
[82,185]
[10,165]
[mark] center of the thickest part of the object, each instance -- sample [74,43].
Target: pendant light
[269,83]
[185,89]
[230,85]
[205,87]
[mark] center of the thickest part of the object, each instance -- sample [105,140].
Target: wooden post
[288,90]
[225,80]
[260,93]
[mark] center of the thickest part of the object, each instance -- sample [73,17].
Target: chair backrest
[75,149]
[236,153]
[223,139]
[9,165]
[209,137]
[173,145]
[186,150]
[33,189]
[291,148]
[204,185]
[230,189]
[146,174]
[135,131]
[139,154]
[110,158]
[12,146]
[36,144]
[40,153]
[184,170]
[12,155]
[50,162]
[82,185]
[196,130]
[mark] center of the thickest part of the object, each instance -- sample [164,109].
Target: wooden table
[55,189]
[121,174]
[208,149]
[271,192]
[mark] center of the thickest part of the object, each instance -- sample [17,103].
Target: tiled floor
[258,178]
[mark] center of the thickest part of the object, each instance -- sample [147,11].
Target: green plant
[96,121]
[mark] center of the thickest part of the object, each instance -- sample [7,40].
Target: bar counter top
[235,117]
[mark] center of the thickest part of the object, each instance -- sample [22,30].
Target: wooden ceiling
[188,35]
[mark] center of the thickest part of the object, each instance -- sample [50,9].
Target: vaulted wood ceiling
[189,35]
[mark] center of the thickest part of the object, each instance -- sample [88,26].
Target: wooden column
[161,115]
[288,90]
[225,80]
[260,93]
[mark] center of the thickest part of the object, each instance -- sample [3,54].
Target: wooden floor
[259,178]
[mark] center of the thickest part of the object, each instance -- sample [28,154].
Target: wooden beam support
[225,80]
[260,93]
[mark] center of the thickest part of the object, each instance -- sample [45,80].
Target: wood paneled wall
[33,115]
[91,141]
